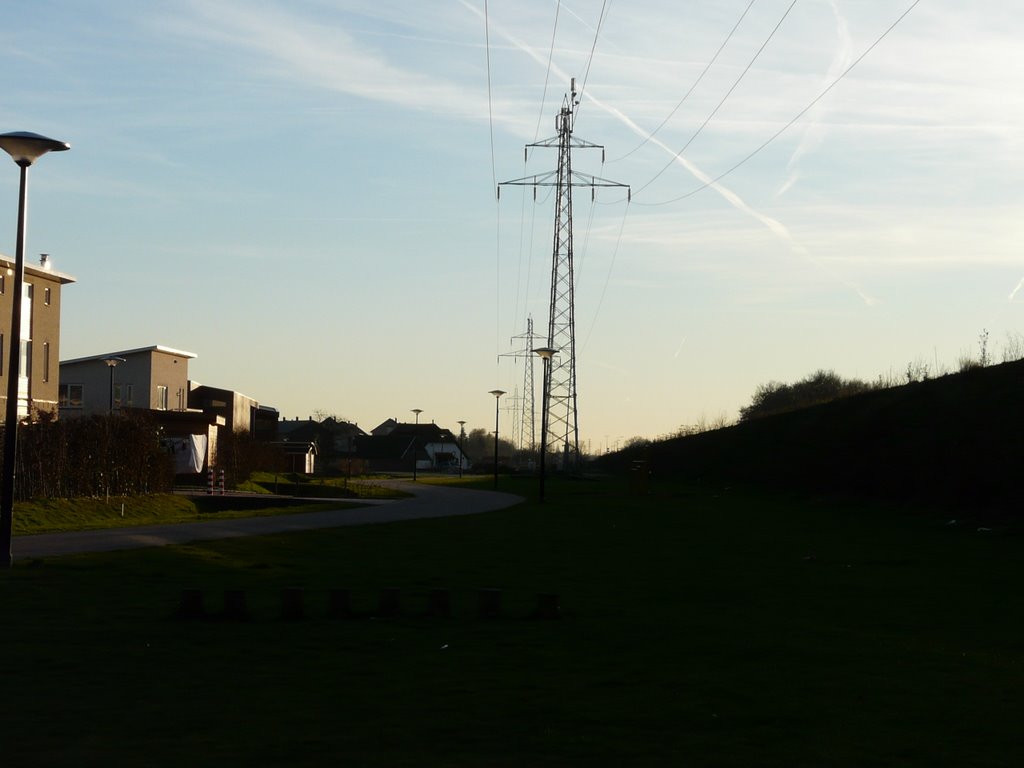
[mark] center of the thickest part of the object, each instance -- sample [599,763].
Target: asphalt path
[429,501]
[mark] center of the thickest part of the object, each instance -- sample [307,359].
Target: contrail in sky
[773,225]
[812,136]
[1013,293]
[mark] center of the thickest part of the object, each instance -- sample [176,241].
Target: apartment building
[39,346]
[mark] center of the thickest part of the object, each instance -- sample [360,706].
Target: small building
[240,412]
[153,378]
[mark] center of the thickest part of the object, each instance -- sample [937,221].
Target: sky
[302,194]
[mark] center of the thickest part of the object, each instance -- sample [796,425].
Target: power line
[547,72]
[692,87]
[723,100]
[790,124]
[590,60]
[490,111]
[607,279]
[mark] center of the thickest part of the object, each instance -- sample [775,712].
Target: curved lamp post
[415,437]
[112,363]
[497,398]
[545,354]
[24,148]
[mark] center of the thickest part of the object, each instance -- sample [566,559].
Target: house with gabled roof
[396,446]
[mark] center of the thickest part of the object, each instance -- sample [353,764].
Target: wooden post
[440,603]
[234,605]
[490,603]
[291,604]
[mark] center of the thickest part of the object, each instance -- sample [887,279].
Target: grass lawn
[56,515]
[698,628]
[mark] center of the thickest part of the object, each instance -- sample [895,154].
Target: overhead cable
[790,124]
[723,100]
[692,87]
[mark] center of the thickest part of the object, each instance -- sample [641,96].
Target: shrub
[819,387]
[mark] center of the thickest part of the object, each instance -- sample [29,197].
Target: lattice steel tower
[560,429]
[524,432]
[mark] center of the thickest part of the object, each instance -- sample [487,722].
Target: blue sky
[302,193]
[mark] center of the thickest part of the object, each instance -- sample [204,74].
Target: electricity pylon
[559,397]
[524,432]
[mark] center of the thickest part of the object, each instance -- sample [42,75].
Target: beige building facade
[39,347]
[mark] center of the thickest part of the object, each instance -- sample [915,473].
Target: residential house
[395,446]
[153,378]
[335,441]
[39,349]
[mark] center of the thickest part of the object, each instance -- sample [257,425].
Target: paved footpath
[429,501]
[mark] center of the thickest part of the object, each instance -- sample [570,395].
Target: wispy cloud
[309,53]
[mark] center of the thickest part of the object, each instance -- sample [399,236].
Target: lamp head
[497,392]
[546,353]
[25,147]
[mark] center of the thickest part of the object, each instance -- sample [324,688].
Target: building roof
[126,352]
[40,271]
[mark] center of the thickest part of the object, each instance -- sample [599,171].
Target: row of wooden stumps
[339,605]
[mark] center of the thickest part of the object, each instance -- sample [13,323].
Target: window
[70,395]
[129,395]
[25,361]
[46,360]
[161,397]
[46,296]
[117,395]
[3,282]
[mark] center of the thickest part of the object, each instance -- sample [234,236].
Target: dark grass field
[699,627]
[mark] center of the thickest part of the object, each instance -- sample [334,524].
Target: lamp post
[497,398]
[462,436]
[24,148]
[545,354]
[112,363]
[415,437]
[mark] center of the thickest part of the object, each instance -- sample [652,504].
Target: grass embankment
[699,628]
[55,515]
[309,486]
[955,441]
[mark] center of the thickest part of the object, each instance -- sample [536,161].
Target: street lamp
[462,436]
[24,148]
[112,363]
[545,354]
[415,437]
[497,397]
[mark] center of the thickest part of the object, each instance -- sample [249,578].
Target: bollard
[220,481]
[209,481]
[389,600]
[291,604]
[340,604]
[548,607]
[440,604]
[490,603]
[235,608]
[191,604]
